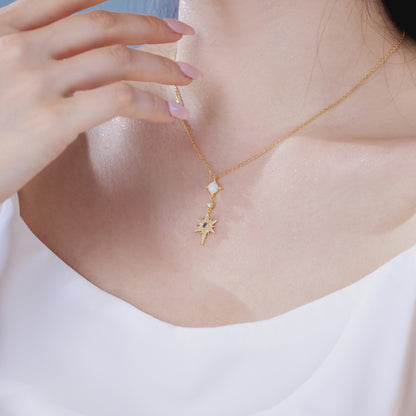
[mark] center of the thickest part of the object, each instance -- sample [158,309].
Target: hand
[62,74]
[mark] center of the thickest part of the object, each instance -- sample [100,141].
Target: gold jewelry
[206,225]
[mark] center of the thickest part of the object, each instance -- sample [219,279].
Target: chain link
[271,146]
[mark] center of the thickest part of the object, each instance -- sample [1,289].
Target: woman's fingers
[15,16]
[115,63]
[61,75]
[86,109]
[99,28]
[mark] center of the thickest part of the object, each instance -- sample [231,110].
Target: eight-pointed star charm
[205,226]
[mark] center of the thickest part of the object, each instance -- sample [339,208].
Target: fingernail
[189,70]
[178,111]
[179,27]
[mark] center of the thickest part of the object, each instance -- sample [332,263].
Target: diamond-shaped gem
[213,187]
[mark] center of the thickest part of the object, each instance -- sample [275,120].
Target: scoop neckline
[14,200]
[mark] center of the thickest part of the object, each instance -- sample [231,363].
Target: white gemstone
[210,204]
[213,187]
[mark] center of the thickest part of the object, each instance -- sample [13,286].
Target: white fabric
[68,348]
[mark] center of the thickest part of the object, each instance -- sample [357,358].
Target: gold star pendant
[205,226]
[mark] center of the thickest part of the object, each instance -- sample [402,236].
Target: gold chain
[206,224]
[257,155]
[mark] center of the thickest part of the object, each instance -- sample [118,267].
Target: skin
[321,211]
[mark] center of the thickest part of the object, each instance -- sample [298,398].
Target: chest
[301,224]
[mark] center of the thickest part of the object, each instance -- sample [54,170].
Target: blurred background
[161,8]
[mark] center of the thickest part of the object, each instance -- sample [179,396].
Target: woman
[303,300]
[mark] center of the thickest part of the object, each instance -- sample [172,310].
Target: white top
[69,348]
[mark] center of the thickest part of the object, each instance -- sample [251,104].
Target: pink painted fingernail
[179,27]
[178,111]
[189,70]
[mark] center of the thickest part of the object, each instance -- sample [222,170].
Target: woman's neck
[277,62]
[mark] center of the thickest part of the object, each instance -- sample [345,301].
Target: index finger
[24,15]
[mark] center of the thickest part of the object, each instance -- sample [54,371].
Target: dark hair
[401,14]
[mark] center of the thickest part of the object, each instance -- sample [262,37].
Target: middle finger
[98,28]
[115,63]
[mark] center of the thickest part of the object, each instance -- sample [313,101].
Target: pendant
[206,225]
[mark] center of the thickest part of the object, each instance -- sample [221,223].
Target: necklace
[206,225]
